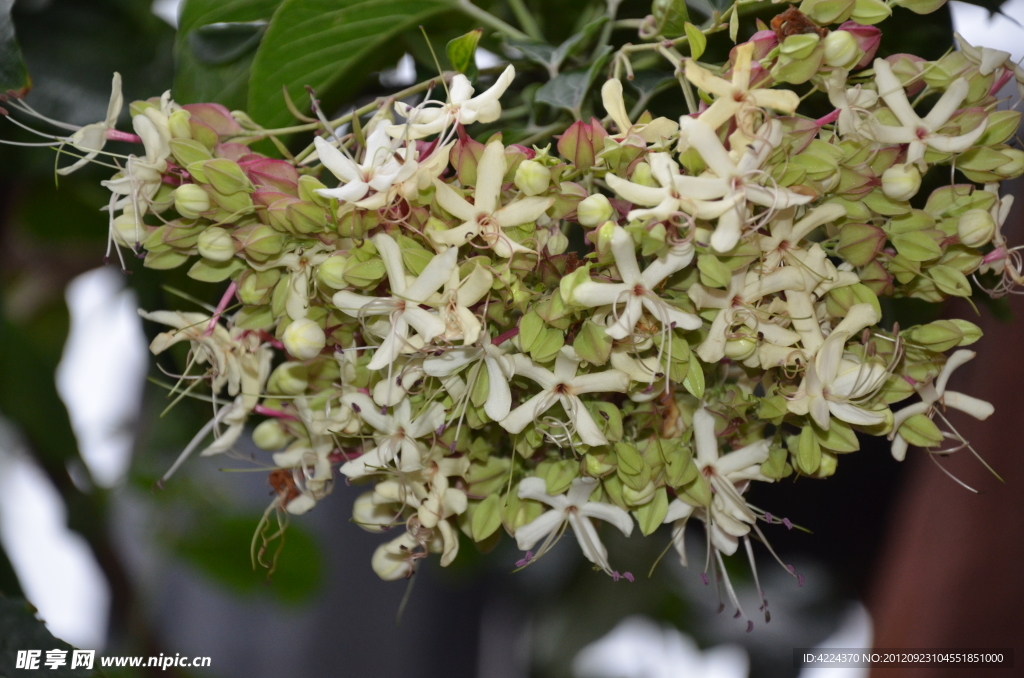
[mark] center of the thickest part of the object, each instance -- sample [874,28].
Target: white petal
[529,534]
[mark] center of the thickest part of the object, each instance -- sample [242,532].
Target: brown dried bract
[795,22]
[283,485]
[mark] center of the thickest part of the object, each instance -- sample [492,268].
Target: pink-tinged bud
[232,151]
[270,173]
[515,154]
[581,143]
[216,117]
[764,42]
[868,38]
[465,156]
[908,68]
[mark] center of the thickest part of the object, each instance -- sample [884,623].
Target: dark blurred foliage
[51,231]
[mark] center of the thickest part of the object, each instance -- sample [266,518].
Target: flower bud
[799,46]
[870,12]
[938,336]
[191,200]
[841,50]
[332,271]
[304,338]
[371,516]
[741,346]
[558,243]
[604,238]
[255,287]
[868,39]
[975,227]
[825,12]
[1014,166]
[260,241]
[129,229]
[532,178]
[393,561]
[290,378]
[216,244]
[581,143]
[270,435]
[179,125]
[643,175]
[226,176]
[901,181]
[594,210]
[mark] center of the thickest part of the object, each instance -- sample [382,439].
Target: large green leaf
[331,46]
[216,43]
[13,72]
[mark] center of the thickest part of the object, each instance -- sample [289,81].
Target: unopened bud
[799,46]
[179,124]
[741,346]
[216,244]
[825,12]
[304,339]
[532,178]
[643,175]
[1014,166]
[332,272]
[841,50]
[594,210]
[901,181]
[975,227]
[270,435]
[191,200]
[260,241]
[289,378]
[870,12]
[557,243]
[581,143]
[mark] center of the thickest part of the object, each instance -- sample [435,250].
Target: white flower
[735,97]
[92,138]
[575,508]
[986,58]
[379,171]
[499,370]
[563,386]
[835,385]
[735,182]
[920,133]
[651,132]
[309,456]
[397,435]
[935,398]
[636,290]
[462,107]
[737,304]
[403,307]
[485,217]
[459,294]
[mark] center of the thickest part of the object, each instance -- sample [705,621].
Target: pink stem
[997,254]
[115,135]
[277,414]
[224,301]
[505,336]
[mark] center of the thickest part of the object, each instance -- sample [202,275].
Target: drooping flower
[651,132]
[92,138]
[397,436]
[575,508]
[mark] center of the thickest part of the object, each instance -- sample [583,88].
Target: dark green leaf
[331,46]
[20,629]
[217,40]
[568,90]
[462,51]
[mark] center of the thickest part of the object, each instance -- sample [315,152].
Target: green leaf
[808,452]
[213,52]
[20,629]
[694,381]
[567,90]
[462,50]
[331,46]
[671,17]
[651,515]
[13,72]
[698,41]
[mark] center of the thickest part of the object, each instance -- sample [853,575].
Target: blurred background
[897,555]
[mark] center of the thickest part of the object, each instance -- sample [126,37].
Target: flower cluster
[631,325]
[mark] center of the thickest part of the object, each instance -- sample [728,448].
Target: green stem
[492,21]
[606,30]
[526,20]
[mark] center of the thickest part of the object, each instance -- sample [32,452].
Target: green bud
[188,151]
[289,378]
[304,338]
[364,273]
[870,12]
[825,12]
[921,6]
[741,345]
[918,245]
[901,182]
[226,176]
[799,46]
[532,178]
[975,227]
[255,287]
[643,175]
[592,343]
[598,463]
[594,210]
[937,336]
[260,241]
[651,514]
[191,200]
[798,70]
[604,238]
[808,451]
[557,243]
[638,497]
[270,435]
[860,243]
[216,244]
[178,122]
[332,272]
[971,332]
[921,431]
[559,475]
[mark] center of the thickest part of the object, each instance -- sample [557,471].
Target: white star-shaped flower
[462,107]
[397,435]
